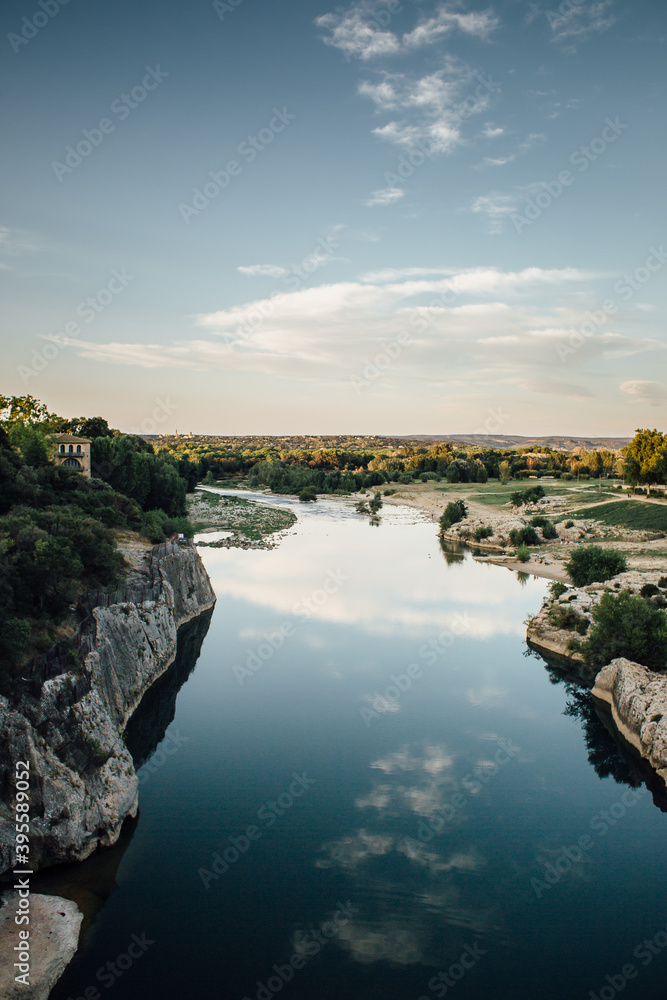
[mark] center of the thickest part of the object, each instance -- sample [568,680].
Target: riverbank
[251,525]
[68,725]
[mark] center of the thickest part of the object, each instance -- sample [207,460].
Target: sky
[252,217]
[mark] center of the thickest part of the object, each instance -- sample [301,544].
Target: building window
[71,463]
[62,447]
[71,448]
[78,449]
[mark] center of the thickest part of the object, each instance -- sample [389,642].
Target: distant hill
[517,441]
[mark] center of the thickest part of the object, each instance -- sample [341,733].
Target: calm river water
[367,791]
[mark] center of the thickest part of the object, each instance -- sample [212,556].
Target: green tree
[593,564]
[645,458]
[627,625]
[505,472]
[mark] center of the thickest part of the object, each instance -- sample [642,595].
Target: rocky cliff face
[83,783]
[637,698]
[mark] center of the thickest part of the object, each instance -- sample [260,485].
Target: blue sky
[394,218]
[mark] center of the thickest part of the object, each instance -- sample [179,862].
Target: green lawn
[626,514]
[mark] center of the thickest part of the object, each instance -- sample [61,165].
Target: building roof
[70,439]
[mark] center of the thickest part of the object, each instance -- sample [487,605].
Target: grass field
[627,514]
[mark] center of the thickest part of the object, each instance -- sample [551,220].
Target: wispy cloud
[432,108]
[479,328]
[653,393]
[576,21]
[385,196]
[265,270]
[361,32]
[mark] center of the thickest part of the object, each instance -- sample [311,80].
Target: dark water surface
[376,827]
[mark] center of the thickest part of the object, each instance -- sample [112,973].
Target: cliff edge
[69,726]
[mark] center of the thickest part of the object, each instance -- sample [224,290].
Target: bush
[567,475]
[405,477]
[593,564]
[649,590]
[567,618]
[525,536]
[662,582]
[539,521]
[483,532]
[626,625]
[531,495]
[454,512]
[557,589]
[389,493]
[523,553]
[307,495]
[569,524]
[549,531]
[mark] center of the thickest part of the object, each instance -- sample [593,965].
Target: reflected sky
[429,817]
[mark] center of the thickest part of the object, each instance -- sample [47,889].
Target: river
[367,790]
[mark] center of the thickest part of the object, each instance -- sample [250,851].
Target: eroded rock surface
[54,937]
[83,784]
[637,698]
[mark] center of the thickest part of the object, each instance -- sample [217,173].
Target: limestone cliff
[637,698]
[69,726]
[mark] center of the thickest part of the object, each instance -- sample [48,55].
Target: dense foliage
[627,625]
[593,564]
[57,526]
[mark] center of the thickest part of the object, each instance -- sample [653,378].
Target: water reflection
[155,712]
[415,860]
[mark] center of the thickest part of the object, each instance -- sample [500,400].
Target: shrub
[567,475]
[405,477]
[567,618]
[539,521]
[454,512]
[569,524]
[649,590]
[389,493]
[523,553]
[307,495]
[557,589]
[662,582]
[549,531]
[527,496]
[483,532]
[593,564]
[627,625]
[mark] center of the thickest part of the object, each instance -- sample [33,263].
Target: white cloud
[360,31]
[496,206]
[468,330]
[480,24]
[268,270]
[654,393]
[385,196]
[433,108]
[357,33]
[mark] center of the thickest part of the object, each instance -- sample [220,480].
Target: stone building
[73,452]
